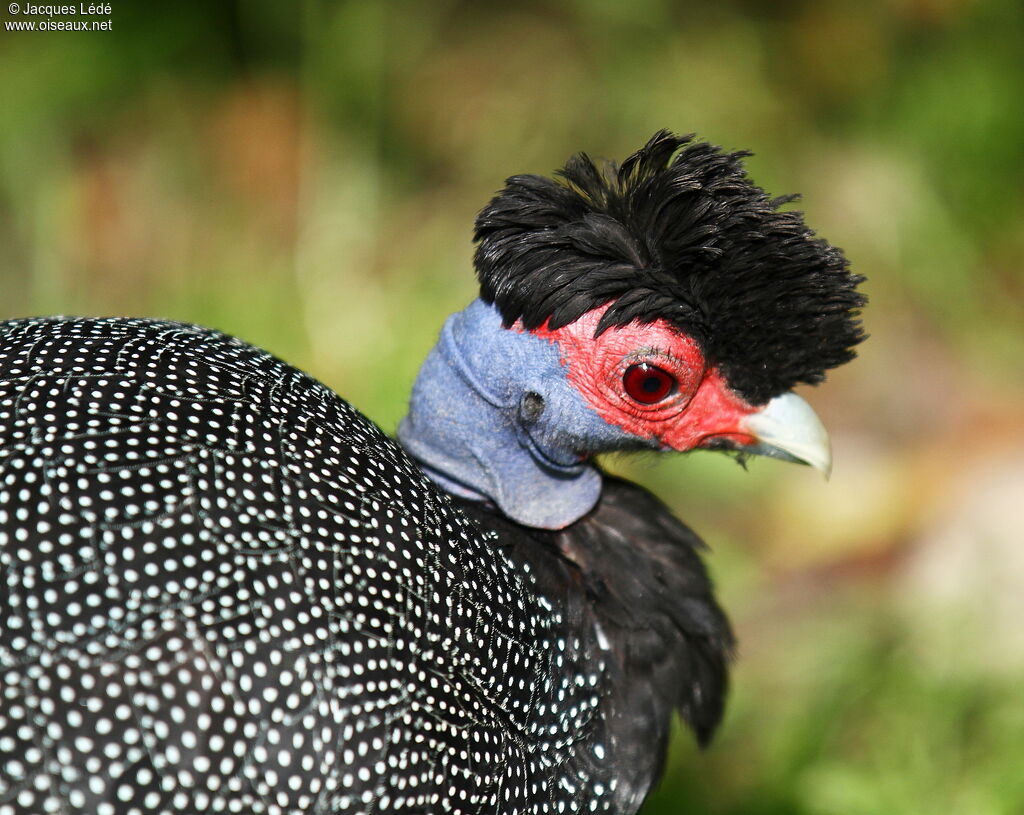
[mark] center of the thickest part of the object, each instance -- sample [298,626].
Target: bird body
[224,584]
[225,590]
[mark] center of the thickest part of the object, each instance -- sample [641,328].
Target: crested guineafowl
[225,590]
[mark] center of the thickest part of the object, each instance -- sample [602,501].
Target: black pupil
[651,384]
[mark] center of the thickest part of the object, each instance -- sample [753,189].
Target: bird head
[665,303]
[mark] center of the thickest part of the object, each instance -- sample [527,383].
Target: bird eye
[647,384]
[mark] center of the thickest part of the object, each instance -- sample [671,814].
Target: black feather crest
[676,232]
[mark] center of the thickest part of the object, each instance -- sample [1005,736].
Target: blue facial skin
[477,428]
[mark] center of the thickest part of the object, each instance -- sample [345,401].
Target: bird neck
[484,422]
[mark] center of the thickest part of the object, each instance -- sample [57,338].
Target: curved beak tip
[788,428]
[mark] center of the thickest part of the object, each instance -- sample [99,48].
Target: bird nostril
[531,406]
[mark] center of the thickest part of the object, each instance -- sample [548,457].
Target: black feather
[630,572]
[688,239]
[225,590]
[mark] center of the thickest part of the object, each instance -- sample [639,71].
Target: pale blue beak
[788,428]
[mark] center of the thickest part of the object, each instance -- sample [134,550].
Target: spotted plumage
[225,590]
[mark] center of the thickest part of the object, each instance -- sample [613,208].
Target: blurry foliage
[305,176]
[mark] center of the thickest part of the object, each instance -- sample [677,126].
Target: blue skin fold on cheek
[466,428]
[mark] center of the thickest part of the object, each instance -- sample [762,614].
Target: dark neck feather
[630,584]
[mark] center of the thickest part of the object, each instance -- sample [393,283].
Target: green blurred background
[305,175]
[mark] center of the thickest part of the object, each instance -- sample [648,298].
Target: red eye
[647,384]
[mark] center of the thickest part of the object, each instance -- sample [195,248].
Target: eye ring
[648,384]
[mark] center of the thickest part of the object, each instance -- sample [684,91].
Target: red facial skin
[702,408]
